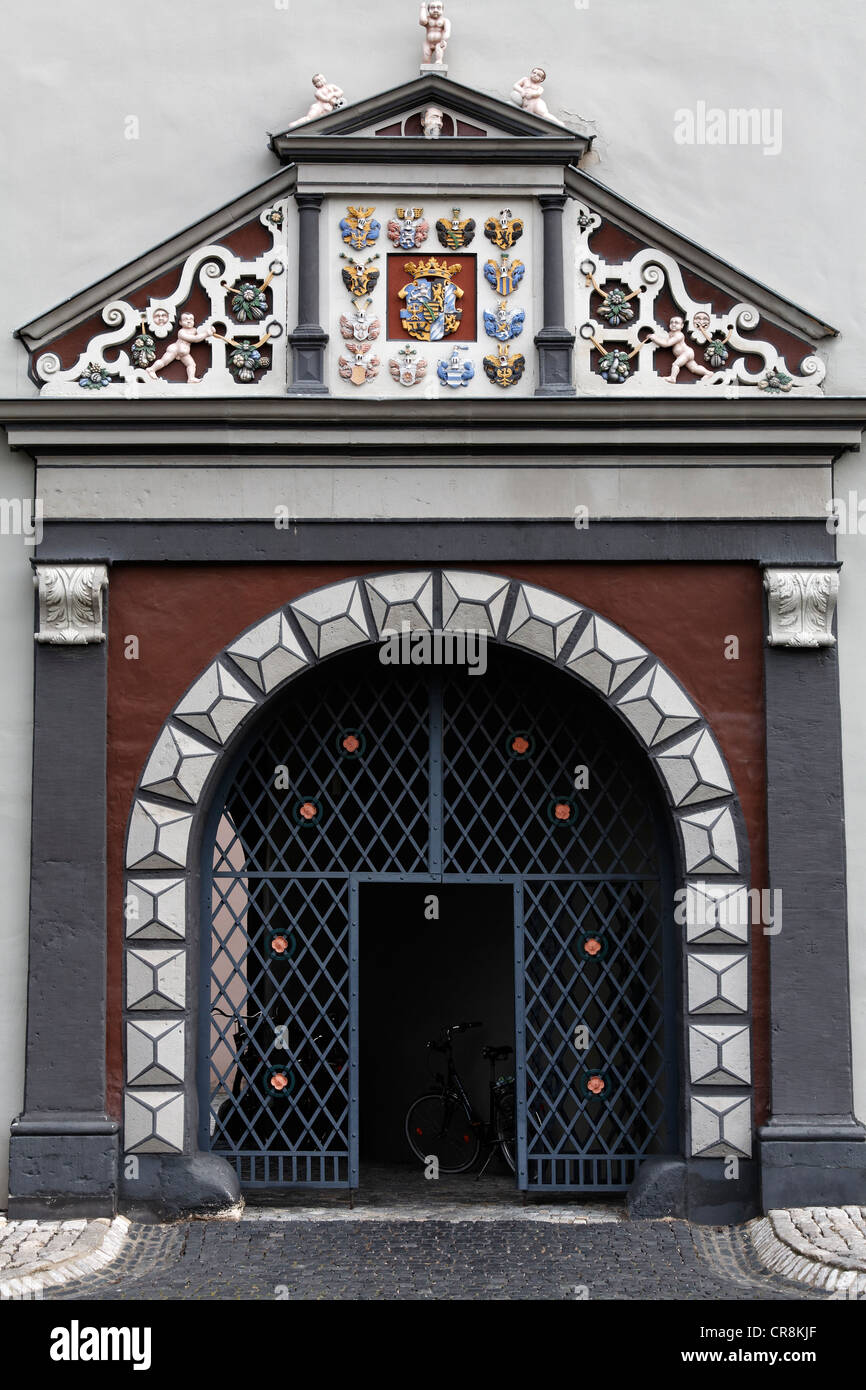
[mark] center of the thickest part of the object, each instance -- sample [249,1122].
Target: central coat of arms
[431,311]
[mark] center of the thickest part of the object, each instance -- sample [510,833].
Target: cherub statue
[529,93]
[438,32]
[179,350]
[675,339]
[327,97]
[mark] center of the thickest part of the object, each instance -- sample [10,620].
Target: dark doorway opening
[419,973]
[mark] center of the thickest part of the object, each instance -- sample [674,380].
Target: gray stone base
[166,1187]
[62,1175]
[816,1173]
[694,1189]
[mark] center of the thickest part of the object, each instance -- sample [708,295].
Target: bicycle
[443,1123]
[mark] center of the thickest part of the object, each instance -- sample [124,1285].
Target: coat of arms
[504,277]
[506,368]
[503,231]
[359,228]
[502,325]
[407,367]
[360,325]
[408,230]
[431,311]
[356,366]
[456,370]
[454,234]
[359,279]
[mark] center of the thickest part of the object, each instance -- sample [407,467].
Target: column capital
[553,202]
[70,603]
[310,200]
[800,605]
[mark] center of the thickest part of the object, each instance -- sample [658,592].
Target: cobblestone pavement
[386,1259]
[34,1253]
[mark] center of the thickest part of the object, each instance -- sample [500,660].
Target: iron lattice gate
[368,773]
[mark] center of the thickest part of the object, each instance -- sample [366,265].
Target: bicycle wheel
[506,1126]
[437,1126]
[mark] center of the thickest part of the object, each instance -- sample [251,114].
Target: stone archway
[205,727]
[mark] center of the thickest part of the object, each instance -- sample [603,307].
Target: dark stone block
[659,1189]
[822,1173]
[55,1177]
[171,1186]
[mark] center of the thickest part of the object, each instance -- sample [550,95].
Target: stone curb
[782,1248]
[47,1273]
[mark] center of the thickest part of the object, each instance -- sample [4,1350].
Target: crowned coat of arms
[408,230]
[431,300]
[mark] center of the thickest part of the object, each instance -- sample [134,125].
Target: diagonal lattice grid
[433,789]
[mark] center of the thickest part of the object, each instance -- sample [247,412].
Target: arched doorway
[620,699]
[439,776]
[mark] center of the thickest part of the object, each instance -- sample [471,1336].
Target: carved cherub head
[676,324]
[538,75]
[319,80]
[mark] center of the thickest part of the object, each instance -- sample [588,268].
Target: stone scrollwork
[801,604]
[616,305]
[70,603]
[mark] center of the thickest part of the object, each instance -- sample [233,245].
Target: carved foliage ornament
[801,605]
[70,603]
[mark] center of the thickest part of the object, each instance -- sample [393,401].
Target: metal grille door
[366,773]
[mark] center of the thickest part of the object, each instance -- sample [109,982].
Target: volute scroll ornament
[70,604]
[801,604]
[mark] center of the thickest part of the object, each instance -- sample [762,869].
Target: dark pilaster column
[309,338]
[554,342]
[812,1149]
[63,1157]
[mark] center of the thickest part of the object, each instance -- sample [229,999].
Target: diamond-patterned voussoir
[542,621]
[473,602]
[718,983]
[719,1054]
[605,656]
[178,766]
[710,842]
[216,704]
[270,653]
[155,907]
[401,598]
[153,1122]
[658,707]
[721,1125]
[158,836]
[693,770]
[154,1051]
[716,912]
[155,979]
[333,618]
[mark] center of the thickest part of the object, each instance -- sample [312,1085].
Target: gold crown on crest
[433,266]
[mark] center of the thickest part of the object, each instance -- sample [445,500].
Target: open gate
[368,773]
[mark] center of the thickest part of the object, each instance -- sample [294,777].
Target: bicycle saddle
[496,1054]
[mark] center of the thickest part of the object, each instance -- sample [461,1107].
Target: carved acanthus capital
[70,603]
[801,605]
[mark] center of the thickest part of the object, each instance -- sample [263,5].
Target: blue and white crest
[456,370]
[431,311]
[504,277]
[503,326]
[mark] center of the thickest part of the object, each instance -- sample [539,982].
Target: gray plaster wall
[207,80]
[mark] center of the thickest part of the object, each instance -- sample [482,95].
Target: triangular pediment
[369,127]
[627,276]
